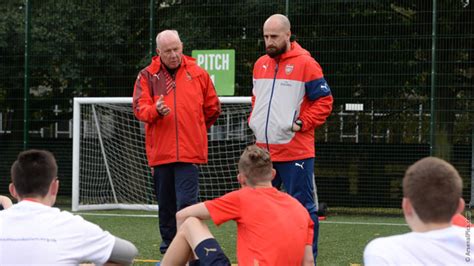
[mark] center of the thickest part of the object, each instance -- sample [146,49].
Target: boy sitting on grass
[272,227]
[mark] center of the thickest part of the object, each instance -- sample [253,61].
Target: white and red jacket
[180,136]
[287,88]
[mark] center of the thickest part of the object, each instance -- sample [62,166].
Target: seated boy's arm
[308,259]
[198,210]
[5,202]
[122,253]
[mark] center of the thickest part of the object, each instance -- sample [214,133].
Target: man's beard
[275,51]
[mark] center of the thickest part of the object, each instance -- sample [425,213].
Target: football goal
[110,169]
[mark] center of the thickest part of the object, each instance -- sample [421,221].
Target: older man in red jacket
[178,103]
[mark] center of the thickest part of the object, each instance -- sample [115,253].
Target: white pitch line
[118,215]
[155,216]
[362,223]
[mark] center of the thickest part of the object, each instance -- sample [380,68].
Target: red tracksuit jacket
[180,136]
[285,89]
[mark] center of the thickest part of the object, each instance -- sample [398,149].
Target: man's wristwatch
[299,123]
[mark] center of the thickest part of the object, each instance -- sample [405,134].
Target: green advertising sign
[220,64]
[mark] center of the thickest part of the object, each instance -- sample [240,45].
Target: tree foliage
[373,52]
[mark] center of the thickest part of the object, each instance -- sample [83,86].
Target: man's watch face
[299,122]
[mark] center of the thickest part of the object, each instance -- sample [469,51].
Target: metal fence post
[152,28]
[26,89]
[471,203]
[433,83]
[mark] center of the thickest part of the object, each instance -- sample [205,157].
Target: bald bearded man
[290,99]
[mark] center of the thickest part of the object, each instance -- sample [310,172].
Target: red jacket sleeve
[212,105]
[143,104]
[317,105]
[316,112]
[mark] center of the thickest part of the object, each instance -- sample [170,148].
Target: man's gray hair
[166,33]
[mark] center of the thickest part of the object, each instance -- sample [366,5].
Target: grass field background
[342,238]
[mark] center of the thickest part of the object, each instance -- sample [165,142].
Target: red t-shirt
[272,227]
[460,220]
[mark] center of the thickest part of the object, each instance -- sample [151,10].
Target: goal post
[110,169]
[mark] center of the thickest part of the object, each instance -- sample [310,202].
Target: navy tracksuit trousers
[176,187]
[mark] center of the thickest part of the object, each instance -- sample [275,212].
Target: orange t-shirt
[272,227]
[460,220]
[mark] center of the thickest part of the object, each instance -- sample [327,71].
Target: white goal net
[110,169]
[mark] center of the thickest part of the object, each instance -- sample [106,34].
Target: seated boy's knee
[193,224]
[180,216]
[191,221]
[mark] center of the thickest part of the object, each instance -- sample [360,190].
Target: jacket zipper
[175,116]
[293,120]
[270,104]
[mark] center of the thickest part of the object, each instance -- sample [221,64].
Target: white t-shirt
[33,233]
[449,246]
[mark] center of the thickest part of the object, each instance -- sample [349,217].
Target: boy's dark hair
[32,173]
[434,188]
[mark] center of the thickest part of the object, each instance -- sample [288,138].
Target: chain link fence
[401,73]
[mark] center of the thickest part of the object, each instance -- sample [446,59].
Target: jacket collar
[186,62]
[295,50]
